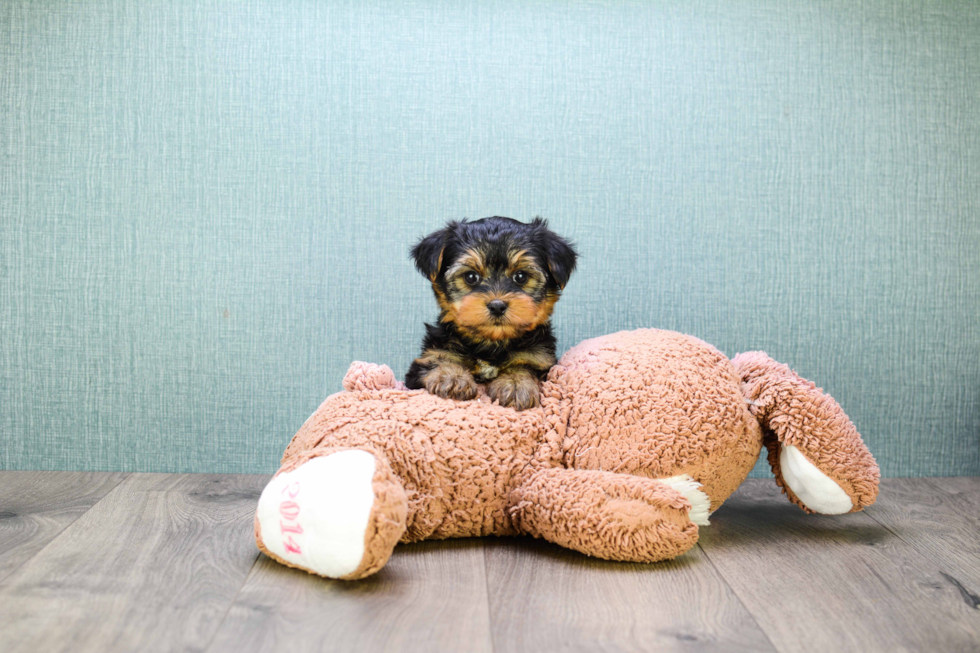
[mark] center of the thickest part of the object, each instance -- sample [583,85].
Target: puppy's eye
[520,278]
[471,278]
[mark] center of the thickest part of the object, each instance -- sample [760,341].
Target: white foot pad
[316,516]
[811,486]
[691,489]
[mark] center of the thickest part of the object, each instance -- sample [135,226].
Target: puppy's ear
[427,253]
[559,254]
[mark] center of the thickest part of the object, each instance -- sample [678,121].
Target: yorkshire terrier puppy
[496,281]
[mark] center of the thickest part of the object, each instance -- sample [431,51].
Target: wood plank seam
[231,604]
[61,532]
[884,591]
[183,538]
[486,576]
[870,513]
[739,598]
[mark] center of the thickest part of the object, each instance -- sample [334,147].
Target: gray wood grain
[431,596]
[940,520]
[964,491]
[36,506]
[545,598]
[841,583]
[167,562]
[153,566]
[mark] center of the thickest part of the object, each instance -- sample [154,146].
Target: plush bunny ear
[428,252]
[559,254]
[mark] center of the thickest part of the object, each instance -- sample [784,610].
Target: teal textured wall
[205,207]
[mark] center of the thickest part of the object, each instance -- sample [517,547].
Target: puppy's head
[495,278]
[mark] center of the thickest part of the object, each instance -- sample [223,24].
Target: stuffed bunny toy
[640,435]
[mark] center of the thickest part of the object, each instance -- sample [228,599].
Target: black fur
[428,253]
[446,244]
[447,337]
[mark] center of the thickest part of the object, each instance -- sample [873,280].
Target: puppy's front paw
[451,382]
[518,391]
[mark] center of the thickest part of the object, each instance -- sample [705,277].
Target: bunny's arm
[611,516]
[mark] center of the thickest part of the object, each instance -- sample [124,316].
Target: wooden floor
[147,562]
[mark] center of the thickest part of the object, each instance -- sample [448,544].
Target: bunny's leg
[611,516]
[333,511]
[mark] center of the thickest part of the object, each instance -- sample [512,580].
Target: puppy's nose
[497,307]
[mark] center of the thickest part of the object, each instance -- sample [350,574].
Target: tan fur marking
[544,310]
[532,284]
[473,317]
[538,359]
[451,381]
[472,259]
[435,272]
[485,370]
[472,310]
[515,388]
[521,261]
[445,305]
[521,310]
[492,333]
[561,286]
[471,314]
[440,356]
[476,261]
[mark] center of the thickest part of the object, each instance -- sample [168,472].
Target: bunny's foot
[815,490]
[339,514]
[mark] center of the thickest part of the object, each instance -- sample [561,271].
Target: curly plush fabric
[795,412]
[612,516]
[637,433]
